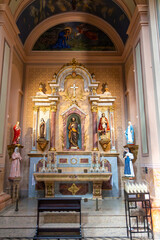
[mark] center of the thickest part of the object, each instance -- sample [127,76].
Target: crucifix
[74,90]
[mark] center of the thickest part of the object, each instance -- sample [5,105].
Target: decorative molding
[74,189]
[73,161]
[36,108]
[53,108]
[73,108]
[11,30]
[61,57]
[140,18]
[94,109]
[6,17]
[125,8]
[78,69]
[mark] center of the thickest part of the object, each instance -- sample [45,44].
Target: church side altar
[50,178]
[67,138]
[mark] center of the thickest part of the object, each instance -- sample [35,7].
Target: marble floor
[105,222]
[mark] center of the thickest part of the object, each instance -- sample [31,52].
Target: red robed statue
[103,126]
[17,133]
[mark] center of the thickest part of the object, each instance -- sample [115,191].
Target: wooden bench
[58,205]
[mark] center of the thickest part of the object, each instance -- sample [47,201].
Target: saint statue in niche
[42,128]
[103,126]
[74,132]
[104,132]
[42,141]
[17,133]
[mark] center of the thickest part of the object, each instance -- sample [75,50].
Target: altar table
[50,178]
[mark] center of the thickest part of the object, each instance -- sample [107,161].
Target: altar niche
[74,141]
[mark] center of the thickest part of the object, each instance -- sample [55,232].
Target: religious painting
[74,36]
[74,132]
[39,10]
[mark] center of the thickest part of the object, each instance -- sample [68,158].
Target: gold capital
[52,149]
[53,91]
[53,108]
[94,109]
[35,108]
[95,149]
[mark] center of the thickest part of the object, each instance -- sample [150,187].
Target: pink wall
[14,108]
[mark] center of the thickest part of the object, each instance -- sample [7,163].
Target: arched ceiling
[130,4]
[29,14]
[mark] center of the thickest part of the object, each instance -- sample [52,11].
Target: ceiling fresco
[14,4]
[40,10]
[74,37]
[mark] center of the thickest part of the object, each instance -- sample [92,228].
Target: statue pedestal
[42,143]
[14,182]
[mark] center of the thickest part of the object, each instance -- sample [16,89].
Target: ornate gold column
[112,129]
[53,110]
[35,126]
[94,125]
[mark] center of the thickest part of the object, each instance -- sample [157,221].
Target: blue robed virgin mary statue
[129,133]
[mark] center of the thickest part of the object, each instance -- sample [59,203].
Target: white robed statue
[128,168]
[129,133]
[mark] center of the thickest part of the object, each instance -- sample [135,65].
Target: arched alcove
[74,17]
[74,135]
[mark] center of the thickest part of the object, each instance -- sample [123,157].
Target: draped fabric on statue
[103,126]
[129,133]
[127,170]
[15,166]
[17,133]
[74,132]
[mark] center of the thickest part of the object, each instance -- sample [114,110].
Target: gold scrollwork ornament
[74,189]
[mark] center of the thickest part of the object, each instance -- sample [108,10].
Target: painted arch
[39,10]
[74,36]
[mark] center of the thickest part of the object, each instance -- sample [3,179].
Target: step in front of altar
[108,221]
[92,226]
